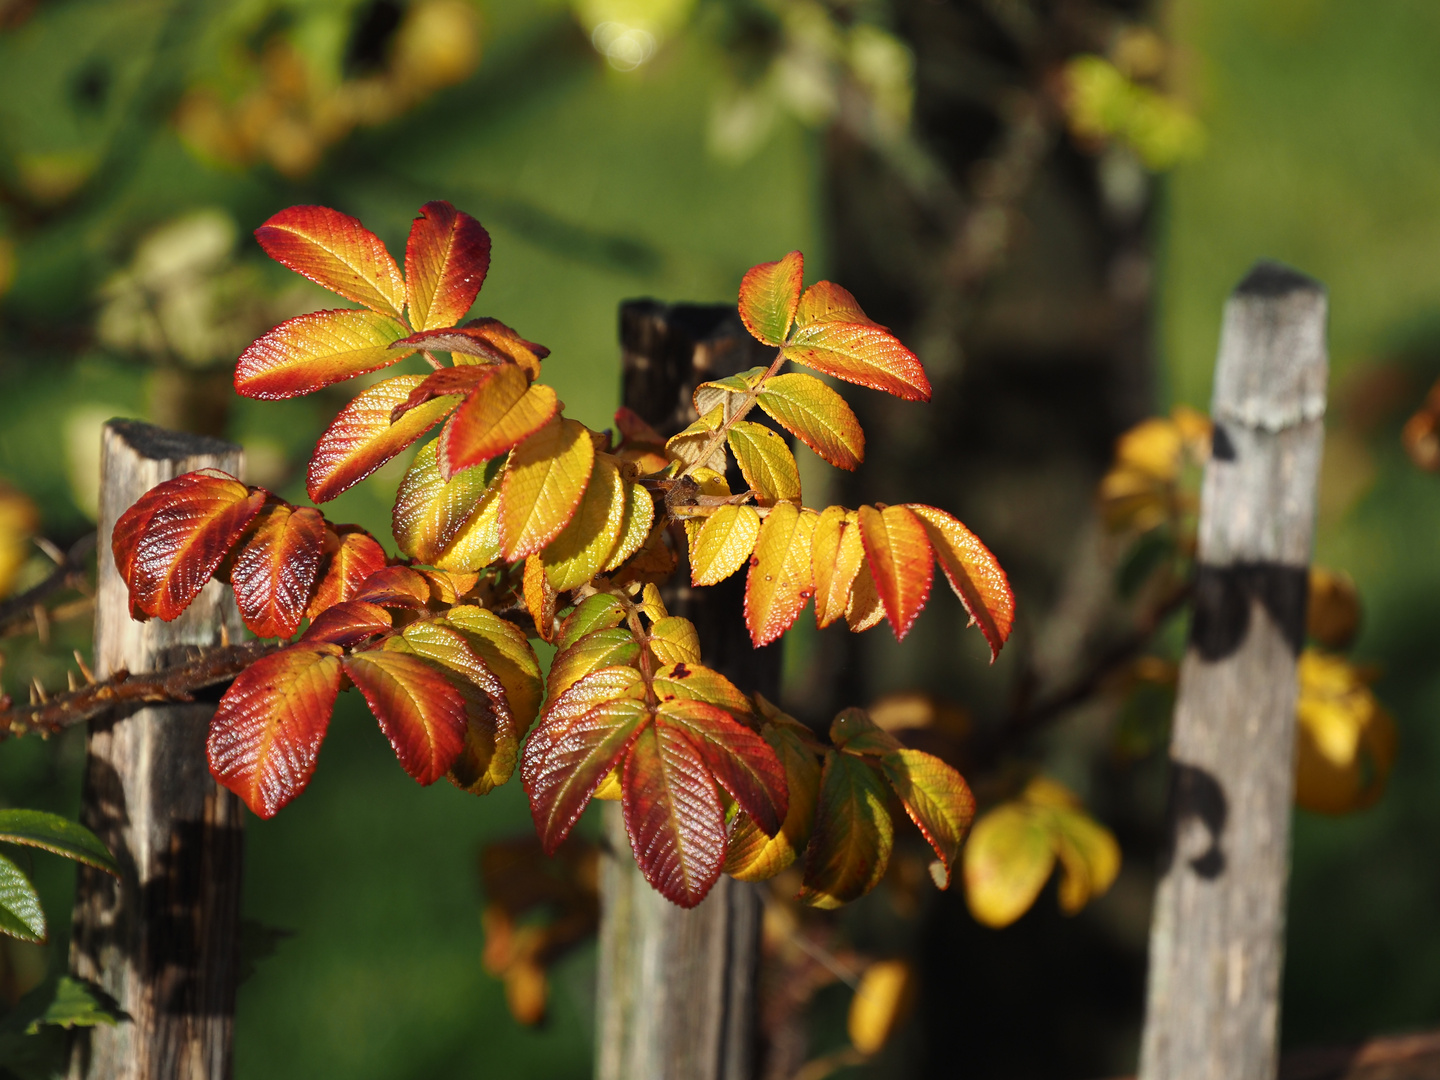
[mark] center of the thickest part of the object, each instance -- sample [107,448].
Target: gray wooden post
[1217,940]
[677,988]
[162,940]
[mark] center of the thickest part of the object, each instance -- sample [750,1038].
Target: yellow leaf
[544,481]
[639,516]
[937,799]
[724,543]
[429,510]
[18,521]
[610,788]
[506,652]
[1345,741]
[728,392]
[766,462]
[1007,862]
[836,555]
[1089,858]
[583,549]
[864,609]
[476,543]
[689,445]
[817,415]
[780,580]
[674,640]
[753,856]
[882,1000]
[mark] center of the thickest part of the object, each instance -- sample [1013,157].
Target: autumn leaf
[266,733]
[429,510]
[754,856]
[729,392]
[506,652]
[766,462]
[900,560]
[780,580]
[973,573]
[673,815]
[741,762]
[334,250]
[446,258]
[476,542]
[419,710]
[348,623]
[836,555]
[312,351]
[850,845]
[585,545]
[639,516]
[769,296]
[275,572]
[444,382]
[563,770]
[833,335]
[501,412]
[540,598]
[724,544]
[882,1001]
[543,484]
[817,415]
[361,438]
[1345,742]
[173,539]
[598,612]
[864,608]
[395,586]
[482,341]
[351,556]
[937,799]
[596,650]
[695,682]
[674,640]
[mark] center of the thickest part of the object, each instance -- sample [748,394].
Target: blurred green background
[142,140]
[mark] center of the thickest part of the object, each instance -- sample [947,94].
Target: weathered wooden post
[162,940]
[677,988]
[1217,939]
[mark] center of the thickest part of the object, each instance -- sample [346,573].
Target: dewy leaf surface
[973,573]
[820,417]
[937,799]
[419,711]
[850,846]
[501,412]
[20,913]
[275,573]
[836,556]
[833,335]
[446,258]
[170,543]
[543,484]
[563,770]
[267,730]
[583,549]
[673,815]
[312,351]
[739,759]
[780,580]
[901,562]
[351,556]
[767,463]
[51,832]
[769,296]
[361,438]
[724,545]
[334,250]
[430,511]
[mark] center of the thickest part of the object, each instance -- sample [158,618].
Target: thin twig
[70,564]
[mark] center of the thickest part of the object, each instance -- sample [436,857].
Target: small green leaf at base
[36,828]
[77,1004]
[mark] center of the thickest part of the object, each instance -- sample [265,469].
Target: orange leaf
[446,257]
[836,556]
[361,438]
[334,250]
[807,408]
[584,548]
[900,562]
[276,569]
[833,335]
[348,623]
[419,710]
[540,598]
[395,586]
[447,381]
[310,351]
[267,730]
[489,339]
[973,573]
[544,480]
[780,580]
[769,296]
[170,543]
[501,412]
[351,556]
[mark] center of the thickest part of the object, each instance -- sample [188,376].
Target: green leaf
[20,913]
[598,612]
[76,1004]
[937,799]
[850,845]
[36,828]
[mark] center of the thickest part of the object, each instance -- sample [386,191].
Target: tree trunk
[1217,939]
[677,997]
[162,941]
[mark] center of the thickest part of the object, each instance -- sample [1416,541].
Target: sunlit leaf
[639,516]
[444,382]
[351,556]
[51,832]
[543,484]
[275,573]
[752,855]
[599,612]
[476,542]
[20,913]
[498,414]
[695,682]
[334,250]
[430,511]
[267,730]
[348,623]
[767,463]
[1007,862]
[836,555]
[780,580]
[693,446]
[741,761]
[833,335]
[728,392]
[973,573]
[361,438]
[817,415]
[506,652]
[395,586]
[541,599]
[937,799]
[584,547]
[312,351]
[724,544]
[446,257]
[596,650]
[901,564]
[674,640]
[1345,742]
[563,769]
[483,341]
[170,543]
[769,296]
[850,845]
[419,710]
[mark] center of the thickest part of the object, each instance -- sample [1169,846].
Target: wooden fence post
[1217,939]
[162,941]
[677,998]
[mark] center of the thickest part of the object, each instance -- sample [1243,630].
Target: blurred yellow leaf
[1142,488]
[18,521]
[881,1002]
[1345,741]
[1103,104]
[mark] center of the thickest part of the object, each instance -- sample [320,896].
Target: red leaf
[673,815]
[351,556]
[361,438]
[502,411]
[769,297]
[488,338]
[974,574]
[395,586]
[315,350]
[267,730]
[562,770]
[419,710]
[275,571]
[446,258]
[742,762]
[443,383]
[833,335]
[348,623]
[334,250]
[633,429]
[900,561]
[169,544]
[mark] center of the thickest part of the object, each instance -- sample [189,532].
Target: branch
[67,566]
[54,713]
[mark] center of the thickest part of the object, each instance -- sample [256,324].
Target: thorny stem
[750,397]
[68,566]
